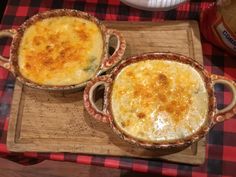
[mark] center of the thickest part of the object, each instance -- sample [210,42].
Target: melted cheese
[60,51]
[159,100]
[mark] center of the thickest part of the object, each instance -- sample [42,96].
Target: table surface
[221,141]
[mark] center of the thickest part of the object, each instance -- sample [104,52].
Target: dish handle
[90,106]
[230,110]
[110,61]
[5,62]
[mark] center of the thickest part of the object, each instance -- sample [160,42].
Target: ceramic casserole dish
[60,49]
[159,100]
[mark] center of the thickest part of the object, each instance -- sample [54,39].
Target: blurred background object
[153,5]
[218,24]
[2,8]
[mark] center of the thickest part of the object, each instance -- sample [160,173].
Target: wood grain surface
[45,121]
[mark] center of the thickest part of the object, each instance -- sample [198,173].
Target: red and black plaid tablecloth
[221,142]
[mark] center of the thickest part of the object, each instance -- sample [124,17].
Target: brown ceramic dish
[60,50]
[159,100]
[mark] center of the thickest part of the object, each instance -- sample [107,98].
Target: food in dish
[63,50]
[159,100]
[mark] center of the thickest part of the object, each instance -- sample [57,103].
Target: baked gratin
[63,50]
[159,100]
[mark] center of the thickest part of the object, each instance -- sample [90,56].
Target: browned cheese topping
[60,51]
[159,100]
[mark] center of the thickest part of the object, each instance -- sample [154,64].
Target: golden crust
[157,100]
[60,51]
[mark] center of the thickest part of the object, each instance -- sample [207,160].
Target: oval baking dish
[159,100]
[60,49]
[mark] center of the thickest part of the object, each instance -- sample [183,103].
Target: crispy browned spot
[162,97]
[123,124]
[81,32]
[38,40]
[54,37]
[131,74]
[175,102]
[28,66]
[141,90]
[49,48]
[162,80]
[126,123]
[141,115]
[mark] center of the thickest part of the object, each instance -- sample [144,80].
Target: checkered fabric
[221,142]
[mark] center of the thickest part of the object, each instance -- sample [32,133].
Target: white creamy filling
[159,100]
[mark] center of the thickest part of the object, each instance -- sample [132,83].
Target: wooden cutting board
[44,121]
